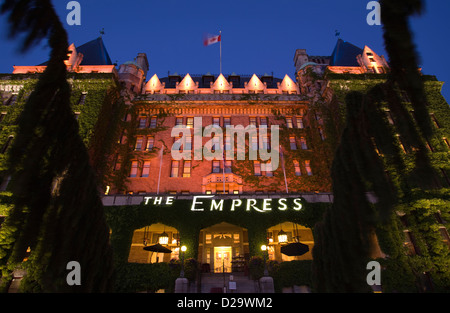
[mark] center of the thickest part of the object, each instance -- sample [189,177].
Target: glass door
[222,259]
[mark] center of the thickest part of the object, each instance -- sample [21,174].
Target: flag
[211,39]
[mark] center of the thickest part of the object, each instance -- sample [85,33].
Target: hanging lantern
[163,239]
[282,237]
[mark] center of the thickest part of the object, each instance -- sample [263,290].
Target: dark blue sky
[258,36]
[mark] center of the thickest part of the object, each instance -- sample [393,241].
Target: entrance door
[222,259]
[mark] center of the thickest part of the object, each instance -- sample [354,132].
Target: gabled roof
[345,54]
[94,53]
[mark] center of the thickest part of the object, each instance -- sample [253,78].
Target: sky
[258,36]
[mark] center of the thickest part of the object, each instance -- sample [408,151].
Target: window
[146,169]
[435,121]
[254,143]
[190,122]
[297,168]
[142,122]
[150,143]
[215,143]
[153,122]
[188,146]
[216,121]
[228,166]
[299,120]
[134,168]
[257,168]
[265,142]
[6,145]
[187,169]
[82,98]
[389,117]
[303,143]
[446,142]
[253,121]
[11,100]
[227,142]
[289,122]
[292,143]
[179,121]
[321,133]
[226,121]
[174,169]
[139,143]
[308,168]
[263,121]
[268,168]
[216,166]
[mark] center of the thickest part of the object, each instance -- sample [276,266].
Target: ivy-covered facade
[224,210]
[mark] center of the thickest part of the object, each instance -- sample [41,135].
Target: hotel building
[152,196]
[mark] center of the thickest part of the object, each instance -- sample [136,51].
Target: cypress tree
[344,239]
[57,211]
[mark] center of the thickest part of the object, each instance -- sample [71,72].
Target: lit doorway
[222,259]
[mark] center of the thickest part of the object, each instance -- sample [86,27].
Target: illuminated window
[150,143]
[216,166]
[254,143]
[139,143]
[289,122]
[227,121]
[321,133]
[227,142]
[257,168]
[269,169]
[265,142]
[228,165]
[187,169]
[142,122]
[146,169]
[215,142]
[263,121]
[303,143]
[174,169]
[188,143]
[134,169]
[299,120]
[292,143]
[82,98]
[190,122]
[435,121]
[389,117]
[308,168]
[153,122]
[446,142]
[297,168]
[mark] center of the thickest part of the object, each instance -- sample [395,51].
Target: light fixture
[282,236]
[263,248]
[183,248]
[163,239]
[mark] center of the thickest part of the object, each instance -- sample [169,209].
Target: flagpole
[220,42]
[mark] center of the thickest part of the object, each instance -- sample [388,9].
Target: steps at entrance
[214,282]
